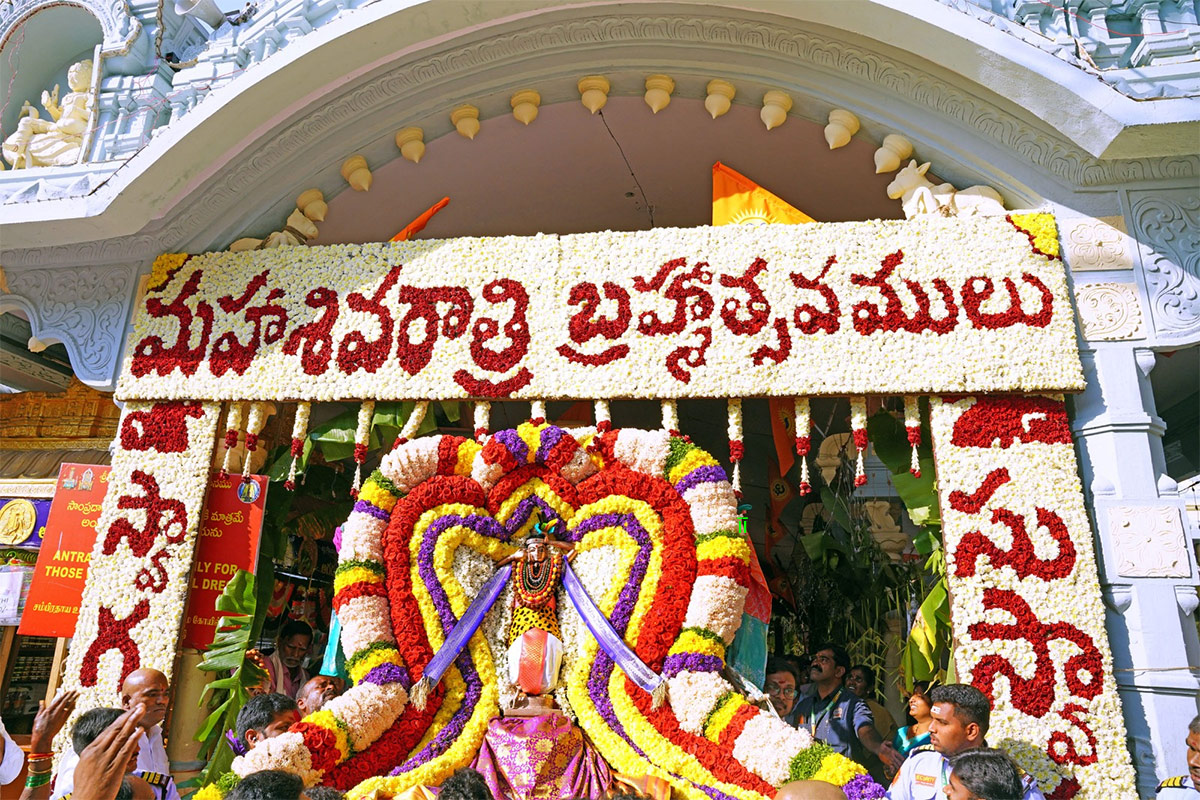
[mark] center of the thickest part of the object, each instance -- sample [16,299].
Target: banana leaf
[890,442]
[226,656]
[929,640]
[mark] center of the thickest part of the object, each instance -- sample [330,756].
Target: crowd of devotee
[941,750]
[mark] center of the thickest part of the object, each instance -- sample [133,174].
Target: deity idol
[534,641]
[55,142]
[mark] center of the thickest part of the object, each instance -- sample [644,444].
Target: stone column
[1148,575]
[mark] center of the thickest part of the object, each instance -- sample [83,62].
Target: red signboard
[229,533]
[53,602]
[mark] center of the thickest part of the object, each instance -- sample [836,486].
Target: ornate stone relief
[292,146]
[1167,222]
[120,28]
[1109,312]
[1094,244]
[85,308]
[885,530]
[1149,542]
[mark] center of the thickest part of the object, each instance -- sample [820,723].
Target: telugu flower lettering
[164,517]
[1083,672]
[314,340]
[423,307]
[113,634]
[516,330]
[355,352]
[162,428]
[152,355]
[587,323]
[977,290]
[228,352]
[808,318]
[868,319]
[690,300]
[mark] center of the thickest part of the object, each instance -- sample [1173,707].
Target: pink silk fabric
[523,758]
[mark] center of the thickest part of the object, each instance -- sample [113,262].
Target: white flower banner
[137,582]
[903,307]
[1026,610]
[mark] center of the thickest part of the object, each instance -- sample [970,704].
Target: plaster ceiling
[565,173]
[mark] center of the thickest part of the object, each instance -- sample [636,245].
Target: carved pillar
[85,308]
[1144,556]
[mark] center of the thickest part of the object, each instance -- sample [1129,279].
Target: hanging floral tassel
[299,431]
[483,416]
[603,417]
[254,426]
[912,426]
[233,429]
[366,413]
[413,423]
[670,417]
[858,426]
[803,428]
[537,412]
[737,448]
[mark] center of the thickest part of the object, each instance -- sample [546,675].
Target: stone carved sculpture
[920,195]
[885,530]
[298,230]
[57,141]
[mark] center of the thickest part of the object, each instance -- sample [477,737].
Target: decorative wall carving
[1109,312]
[1167,222]
[1149,541]
[120,28]
[85,308]
[1187,599]
[1093,244]
[402,86]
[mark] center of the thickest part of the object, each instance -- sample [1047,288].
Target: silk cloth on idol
[540,757]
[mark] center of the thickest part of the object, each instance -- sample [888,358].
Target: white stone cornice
[85,308]
[258,136]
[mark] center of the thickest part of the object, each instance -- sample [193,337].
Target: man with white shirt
[149,689]
[11,757]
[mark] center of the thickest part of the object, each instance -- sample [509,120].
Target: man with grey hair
[1185,787]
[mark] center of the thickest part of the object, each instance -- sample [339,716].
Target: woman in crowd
[916,733]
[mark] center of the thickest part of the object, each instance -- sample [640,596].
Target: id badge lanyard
[819,718]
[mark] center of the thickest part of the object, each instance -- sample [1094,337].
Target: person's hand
[102,763]
[50,719]
[890,757]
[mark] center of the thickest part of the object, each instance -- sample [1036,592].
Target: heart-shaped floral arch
[654,523]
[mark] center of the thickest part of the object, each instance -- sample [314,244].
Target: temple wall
[185,160]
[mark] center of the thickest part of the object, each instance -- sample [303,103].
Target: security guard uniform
[1178,788]
[926,771]
[163,785]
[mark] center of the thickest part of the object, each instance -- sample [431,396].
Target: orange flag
[782,432]
[418,224]
[739,200]
[779,494]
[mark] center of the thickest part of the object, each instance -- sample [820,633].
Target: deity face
[79,76]
[535,550]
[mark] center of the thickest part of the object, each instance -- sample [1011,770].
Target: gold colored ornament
[465,120]
[720,97]
[593,92]
[18,519]
[411,142]
[525,105]
[776,104]
[658,92]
